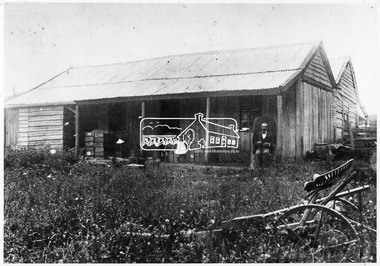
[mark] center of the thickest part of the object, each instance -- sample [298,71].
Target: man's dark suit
[263,147]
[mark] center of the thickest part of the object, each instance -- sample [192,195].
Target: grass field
[60,209]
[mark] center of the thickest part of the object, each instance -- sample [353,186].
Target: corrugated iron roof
[232,70]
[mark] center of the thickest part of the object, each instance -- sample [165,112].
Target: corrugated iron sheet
[235,70]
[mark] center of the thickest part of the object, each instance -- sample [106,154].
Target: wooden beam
[71,109]
[77,129]
[142,117]
[279,126]
[274,91]
[39,105]
[316,84]
[207,127]
[299,121]
[142,109]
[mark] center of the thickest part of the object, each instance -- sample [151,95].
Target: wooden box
[89,134]
[88,139]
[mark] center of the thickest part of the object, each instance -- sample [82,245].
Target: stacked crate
[99,144]
[89,149]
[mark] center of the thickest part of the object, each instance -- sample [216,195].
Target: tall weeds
[60,209]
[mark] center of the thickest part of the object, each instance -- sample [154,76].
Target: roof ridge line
[205,53]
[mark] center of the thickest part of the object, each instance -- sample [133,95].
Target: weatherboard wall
[306,119]
[40,126]
[11,117]
[317,71]
[345,103]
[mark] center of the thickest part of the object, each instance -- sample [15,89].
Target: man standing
[264,145]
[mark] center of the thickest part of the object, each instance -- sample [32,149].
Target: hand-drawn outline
[201,133]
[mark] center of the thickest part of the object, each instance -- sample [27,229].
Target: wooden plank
[23,111]
[45,133]
[45,138]
[327,110]
[11,127]
[24,119]
[322,105]
[142,116]
[324,110]
[70,109]
[347,78]
[23,131]
[313,126]
[24,126]
[348,90]
[24,115]
[207,128]
[46,113]
[315,114]
[45,123]
[317,71]
[23,139]
[345,105]
[45,108]
[330,131]
[299,121]
[321,69]
[329,115]
[24,123]
[46,142]
[319,115]
[292,124]
[279,143]
[345,87]
[45,128]
[46,118]
[305,127]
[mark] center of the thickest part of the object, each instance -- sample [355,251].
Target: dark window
[246,119]
[346,122]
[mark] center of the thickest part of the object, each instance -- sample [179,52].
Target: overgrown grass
[60,209]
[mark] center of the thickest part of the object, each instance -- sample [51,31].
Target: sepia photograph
[189,131]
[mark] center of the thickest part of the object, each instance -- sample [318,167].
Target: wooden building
[293,84]
[347,105]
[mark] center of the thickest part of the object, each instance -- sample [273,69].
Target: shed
[293,84]
[347,107]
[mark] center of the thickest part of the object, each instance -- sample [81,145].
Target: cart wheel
[348,209]
[326,235]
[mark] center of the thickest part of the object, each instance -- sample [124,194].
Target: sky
[43,39]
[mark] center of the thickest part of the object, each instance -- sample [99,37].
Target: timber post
[77,129]
[299,122]
[142,117]
[252,161]
[279,127]
[207,127]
